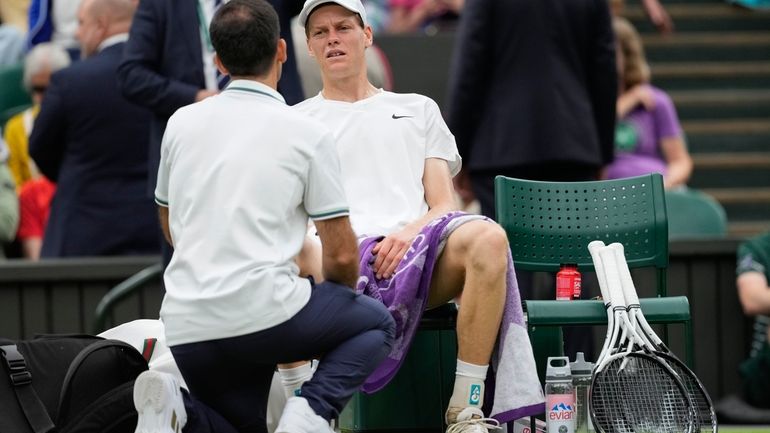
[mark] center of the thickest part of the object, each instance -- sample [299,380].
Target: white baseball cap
[351,5]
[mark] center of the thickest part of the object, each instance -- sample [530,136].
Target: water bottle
[581,380]
[568,282]
[559,396]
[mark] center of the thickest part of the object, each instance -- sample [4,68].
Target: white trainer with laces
[469,420]
[299,417]
[159,403]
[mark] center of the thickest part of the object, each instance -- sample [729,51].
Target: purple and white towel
[517,390]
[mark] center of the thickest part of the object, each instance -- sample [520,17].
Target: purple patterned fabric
[405,295]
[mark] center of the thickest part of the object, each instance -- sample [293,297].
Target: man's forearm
[342,270]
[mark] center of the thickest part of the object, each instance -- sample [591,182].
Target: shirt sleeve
[324,196]
[161,185]
[748,260]
[666,119]
[440,143]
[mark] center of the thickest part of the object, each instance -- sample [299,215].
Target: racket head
[704,407]
[637,392]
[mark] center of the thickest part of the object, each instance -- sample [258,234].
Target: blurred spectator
[92,143]
[54,21]
[648,138]
[753,274]
[168,63]
[654,10]
[15,13]
[532,92]
[378,13]
[9,204]
[11,45]
[532,96]
[411,15]
[39,64]
[34,207]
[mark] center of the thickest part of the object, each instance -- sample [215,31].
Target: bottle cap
[581,366]
[558,369]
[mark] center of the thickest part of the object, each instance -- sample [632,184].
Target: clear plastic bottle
[559,396]
[581,380]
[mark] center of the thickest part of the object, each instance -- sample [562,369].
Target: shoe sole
[151,401]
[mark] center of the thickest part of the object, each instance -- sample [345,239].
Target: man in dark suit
[164,67]
[93,143]
[532,91]
[532,95]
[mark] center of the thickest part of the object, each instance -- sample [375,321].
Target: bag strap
[21,381]
[64,396]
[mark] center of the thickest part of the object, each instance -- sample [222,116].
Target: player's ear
[369,36]
[281,54]
[220,66]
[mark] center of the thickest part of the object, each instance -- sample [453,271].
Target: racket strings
[703,407]
[640,397]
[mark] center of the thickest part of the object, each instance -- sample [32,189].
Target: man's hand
[391,250]
[203,94]
[644,96]
[462,184]
[658,15]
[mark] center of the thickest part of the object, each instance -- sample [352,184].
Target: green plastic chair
[13,95]
[694,215]
[551,223]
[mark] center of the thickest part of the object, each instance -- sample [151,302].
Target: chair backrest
[693,214]
[551,223]
[12,92]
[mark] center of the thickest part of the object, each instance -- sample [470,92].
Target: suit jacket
[533,82]
[93,144]
[162,68]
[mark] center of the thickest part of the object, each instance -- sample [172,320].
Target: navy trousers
[350,334]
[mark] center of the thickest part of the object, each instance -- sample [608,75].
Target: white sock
[293,378]
[469,385]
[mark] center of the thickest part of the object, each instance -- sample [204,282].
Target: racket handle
[627,283]
[593,249]
[613,278]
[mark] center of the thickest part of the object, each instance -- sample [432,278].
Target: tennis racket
[706,417]
[633,390]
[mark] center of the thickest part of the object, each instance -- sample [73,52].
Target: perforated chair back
[551,223]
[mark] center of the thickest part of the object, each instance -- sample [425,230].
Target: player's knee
[489,249]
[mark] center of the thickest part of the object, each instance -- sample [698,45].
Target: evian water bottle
[559,396]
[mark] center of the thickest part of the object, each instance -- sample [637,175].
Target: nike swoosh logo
[400,117]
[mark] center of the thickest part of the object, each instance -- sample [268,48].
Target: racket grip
[607,255]
[627,282]
[593,249]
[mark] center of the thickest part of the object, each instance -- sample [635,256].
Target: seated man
[753,271]
[397,159]
[239,175]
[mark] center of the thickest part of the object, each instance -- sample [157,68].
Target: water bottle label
[561,413]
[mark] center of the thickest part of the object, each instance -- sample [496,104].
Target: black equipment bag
[68,384]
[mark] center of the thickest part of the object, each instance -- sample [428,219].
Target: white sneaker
[158,401]
[299,417]
[469,420]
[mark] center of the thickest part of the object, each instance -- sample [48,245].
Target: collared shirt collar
[255,87]
[112,40]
